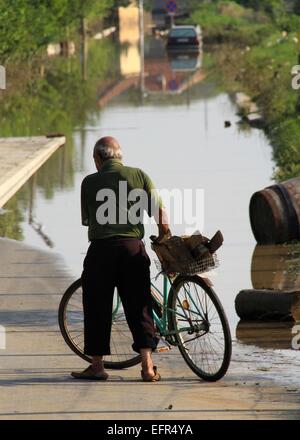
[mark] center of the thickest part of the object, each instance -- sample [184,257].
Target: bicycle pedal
[162,349]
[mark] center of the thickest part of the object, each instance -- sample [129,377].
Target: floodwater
[169,120]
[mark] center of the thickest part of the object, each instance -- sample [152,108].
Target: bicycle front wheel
[70,318]
[201,326]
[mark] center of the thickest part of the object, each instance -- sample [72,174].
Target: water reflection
[32,220]
[273,267]
[276,267]
[129,38]
[59,101]
[170,73]
[276,335]
[10,220]
[145,67]
[185,62]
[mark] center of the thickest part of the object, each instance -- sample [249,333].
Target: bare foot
[149,373]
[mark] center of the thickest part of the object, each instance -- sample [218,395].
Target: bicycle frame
[162,323]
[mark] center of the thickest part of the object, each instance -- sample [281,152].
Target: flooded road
[169,120]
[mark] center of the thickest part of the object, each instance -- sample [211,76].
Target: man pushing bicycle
[113,202]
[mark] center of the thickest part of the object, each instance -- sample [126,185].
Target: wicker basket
[194,267]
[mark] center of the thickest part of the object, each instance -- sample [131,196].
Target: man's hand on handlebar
[164,232]
[164,236]
[161,238]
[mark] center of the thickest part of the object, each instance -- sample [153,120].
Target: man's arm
[84,206]
[162,221]
[156,209]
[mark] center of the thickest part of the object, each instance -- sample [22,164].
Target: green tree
[28,25]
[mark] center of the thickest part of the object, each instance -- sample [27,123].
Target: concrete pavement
[35,380]
[20,158]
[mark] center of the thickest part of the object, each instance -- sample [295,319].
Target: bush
[215,17]
[228,21]
[285,138]
[28,25]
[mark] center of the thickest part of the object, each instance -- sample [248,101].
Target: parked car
[185,38]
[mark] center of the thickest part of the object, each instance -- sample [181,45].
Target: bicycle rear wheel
[201,326]
[70,318]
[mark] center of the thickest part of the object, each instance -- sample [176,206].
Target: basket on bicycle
[195,267]
[188,255]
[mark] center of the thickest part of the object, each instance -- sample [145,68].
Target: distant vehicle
[185,38]
[185,62]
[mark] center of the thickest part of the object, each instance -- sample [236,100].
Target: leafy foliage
[28,25]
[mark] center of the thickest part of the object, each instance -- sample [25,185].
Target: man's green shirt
[102,196]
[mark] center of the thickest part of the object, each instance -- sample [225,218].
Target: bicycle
[187,314]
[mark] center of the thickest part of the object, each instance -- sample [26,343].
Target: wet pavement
[35,381]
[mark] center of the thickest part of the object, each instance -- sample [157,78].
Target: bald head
[107,148]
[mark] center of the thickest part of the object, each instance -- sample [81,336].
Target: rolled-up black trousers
[120,263]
